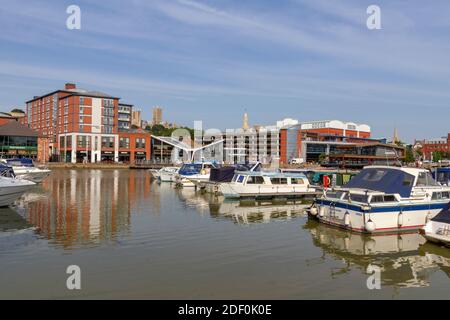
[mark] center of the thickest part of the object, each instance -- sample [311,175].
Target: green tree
[437,156]
[409,155]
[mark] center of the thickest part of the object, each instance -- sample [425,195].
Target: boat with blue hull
[383,199]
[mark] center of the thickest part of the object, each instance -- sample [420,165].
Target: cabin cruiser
[383,199]
[24,168]
[12,188]
[438,229]
[260,184]
[190,174]
[166,174]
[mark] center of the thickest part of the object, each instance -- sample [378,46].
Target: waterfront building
[83,126]
[17,140]
[428,147]
[290,139]
[359,155]
[124,116]
[157,115]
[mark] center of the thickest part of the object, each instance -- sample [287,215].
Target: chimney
[70,86]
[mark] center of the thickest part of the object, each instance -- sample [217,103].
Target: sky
[214,60]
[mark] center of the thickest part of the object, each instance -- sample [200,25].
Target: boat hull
[9,194]
[382,219]
[235,191]
[34,176]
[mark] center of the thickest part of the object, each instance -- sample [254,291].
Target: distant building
[157,115]
[245,124]
[437,145]
[136,118]
[124,117]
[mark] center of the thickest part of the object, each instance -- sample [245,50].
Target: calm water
[133,238]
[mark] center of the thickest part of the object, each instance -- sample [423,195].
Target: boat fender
[313,211]
[203,171]
[400,219]
[321,211]
[370,226]
[428,217]
[347,219]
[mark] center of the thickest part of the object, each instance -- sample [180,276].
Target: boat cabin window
[255,180]
[234,178]
[425,179]
[359,198]
[297,181]
[335,195]
[440,195]
[238,178]
[383,198]
[278,180]
[408,181]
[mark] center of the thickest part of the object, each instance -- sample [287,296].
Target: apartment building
[124,117]
[428,147]
[80,125]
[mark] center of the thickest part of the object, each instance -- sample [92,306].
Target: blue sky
[211,60]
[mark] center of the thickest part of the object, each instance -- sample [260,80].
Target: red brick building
[430,146]
[79,125]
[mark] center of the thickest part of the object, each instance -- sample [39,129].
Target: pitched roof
[14,128]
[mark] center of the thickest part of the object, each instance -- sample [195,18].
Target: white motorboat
[168,174]
[190,174]
[12,188]
[383,199]
[437,230]
[24,168]
[260,184]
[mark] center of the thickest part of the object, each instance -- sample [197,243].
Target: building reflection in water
[405,259]
[85,206]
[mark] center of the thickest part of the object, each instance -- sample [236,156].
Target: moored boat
[168,174]
[266,184]
[190,174]
[383,199]
[12,188]
[24,168]
[437,230]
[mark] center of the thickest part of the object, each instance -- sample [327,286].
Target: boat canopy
[20,162]
[443,216]
[6,171]
[385,180]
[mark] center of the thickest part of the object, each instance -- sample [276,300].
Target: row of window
[273,181]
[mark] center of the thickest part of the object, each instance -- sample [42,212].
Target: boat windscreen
[443,216]
[384,180]
[190,169]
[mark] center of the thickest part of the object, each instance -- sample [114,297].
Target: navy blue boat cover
[384,180]
[443,216]
[6,171]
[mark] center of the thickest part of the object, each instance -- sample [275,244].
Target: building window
[107,142]
[124,143]
[140,143]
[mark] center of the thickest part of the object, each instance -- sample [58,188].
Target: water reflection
[84,206]
[15,231]
[404,259]
[240,212]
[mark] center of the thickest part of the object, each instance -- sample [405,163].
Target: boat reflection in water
[404,259]
[15,231]
[84,207]
[241,212]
